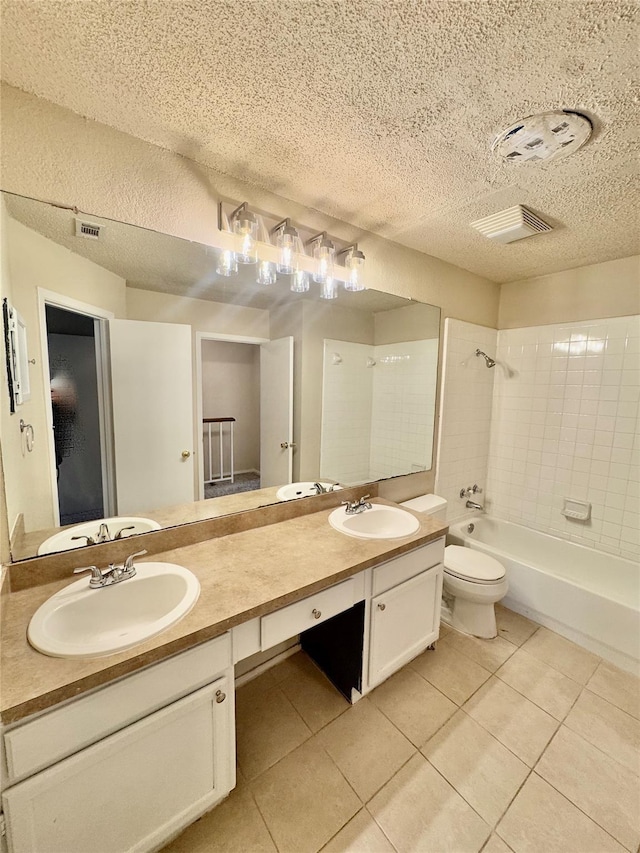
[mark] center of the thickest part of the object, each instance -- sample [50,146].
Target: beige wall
[51,153]
[610,289]
[409,323]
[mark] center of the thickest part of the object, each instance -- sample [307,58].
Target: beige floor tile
[314,697]
[514,627]
[552,691]
[413,705]
[367,748]
[419,811]
[304,799]
[511,718]
[488,653]
[562,654]
[361,835]
[496,845]
[258,685]
[618,687]
[235,826]
[483,771]
[444,629]
[454,674]
[267,728]
[541,820]
[296,664]
[595,783]
[608,728]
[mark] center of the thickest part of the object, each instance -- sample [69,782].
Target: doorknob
[285,445]
[186,454]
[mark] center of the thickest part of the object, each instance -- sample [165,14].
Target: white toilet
[473,581]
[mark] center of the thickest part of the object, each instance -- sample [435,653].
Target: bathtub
[588,596]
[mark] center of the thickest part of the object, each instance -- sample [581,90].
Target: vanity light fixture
[227,264]
[354,263]
[266,273]
[300,281]
[324,253]
[287,244]
[245,226]
[329,288]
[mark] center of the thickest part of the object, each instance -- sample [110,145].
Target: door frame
[199,338]
[101,319]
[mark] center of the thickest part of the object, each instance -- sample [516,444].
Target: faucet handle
[364,498]
[90,539]
[96,578]
[128,563]
[122,530]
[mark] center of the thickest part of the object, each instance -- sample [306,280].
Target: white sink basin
[379,522]
[79,622]
[62,541]
[302,490]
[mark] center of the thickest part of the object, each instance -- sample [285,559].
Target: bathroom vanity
[91,752]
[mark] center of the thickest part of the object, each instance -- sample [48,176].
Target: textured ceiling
[158,262]
[378,113]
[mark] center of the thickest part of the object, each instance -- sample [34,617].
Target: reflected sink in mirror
[80,622]
[119,527]
[379,522]
[308,489]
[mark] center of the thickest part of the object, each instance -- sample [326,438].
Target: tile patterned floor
[526,743]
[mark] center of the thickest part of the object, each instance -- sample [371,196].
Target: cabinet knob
[382,607]
[316,613]
[186,454]
[220,696]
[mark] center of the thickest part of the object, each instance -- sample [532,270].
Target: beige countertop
[242,575]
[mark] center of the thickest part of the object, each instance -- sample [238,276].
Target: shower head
[490,362]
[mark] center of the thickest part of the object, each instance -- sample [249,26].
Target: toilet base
[479,620]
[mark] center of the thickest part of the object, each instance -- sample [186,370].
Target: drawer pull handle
[316,613]
[382,607]
[220,696]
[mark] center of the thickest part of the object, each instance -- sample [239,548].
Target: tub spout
[474,505]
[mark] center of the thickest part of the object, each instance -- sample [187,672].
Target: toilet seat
[472,566]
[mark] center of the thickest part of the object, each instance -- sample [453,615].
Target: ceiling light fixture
[543,137]
[354,263]
[245,226]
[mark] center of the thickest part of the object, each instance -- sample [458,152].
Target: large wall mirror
[163,393]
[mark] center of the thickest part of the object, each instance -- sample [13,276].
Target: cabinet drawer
[132,790]
[407,566]
[37,744]
[291,620]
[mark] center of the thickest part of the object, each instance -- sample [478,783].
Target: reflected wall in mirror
[163,393]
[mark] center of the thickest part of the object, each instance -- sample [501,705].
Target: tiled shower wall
[465,413]
[565,424]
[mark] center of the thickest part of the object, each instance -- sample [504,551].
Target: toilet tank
[428,504]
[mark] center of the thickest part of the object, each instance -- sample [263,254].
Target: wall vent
[514,223]
[88,229]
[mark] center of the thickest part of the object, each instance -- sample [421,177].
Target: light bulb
[355,264]
[300,281]
[329,289]
[266,273]
[286,242]
[324,253]
[227,264]
[245,227]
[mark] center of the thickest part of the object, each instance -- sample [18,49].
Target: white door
[151,374]
[276,412]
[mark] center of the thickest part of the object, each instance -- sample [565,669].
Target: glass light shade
[227,264]
[266,273]
[286,241]
[355,265]
[329,289]
[300,281]
[324,253]
[245,227]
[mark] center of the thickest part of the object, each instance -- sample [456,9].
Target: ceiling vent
[514,223]
[88,229]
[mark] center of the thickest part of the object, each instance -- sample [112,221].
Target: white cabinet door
[404,621]
[132,790]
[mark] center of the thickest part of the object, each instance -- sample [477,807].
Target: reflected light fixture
[227,264]
[287,245]
[245,227]
[324,254]
[266,273]
[300,281]
[354,263]
[329,289]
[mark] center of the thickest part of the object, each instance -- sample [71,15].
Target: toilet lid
[467,564]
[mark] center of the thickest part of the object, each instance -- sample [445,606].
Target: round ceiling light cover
[543,137]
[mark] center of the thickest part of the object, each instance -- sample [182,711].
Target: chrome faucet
[474,505]
[322,490]
[113,574]
[103,534]
[353,507]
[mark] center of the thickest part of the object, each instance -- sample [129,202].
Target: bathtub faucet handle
[470,490]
